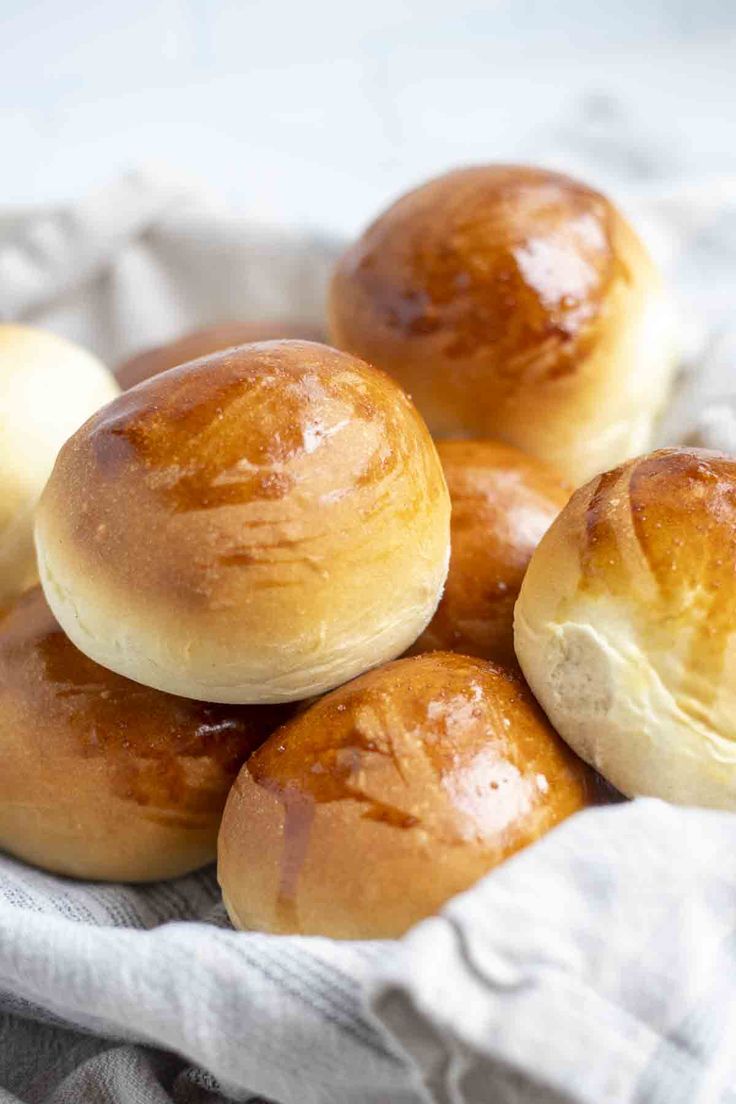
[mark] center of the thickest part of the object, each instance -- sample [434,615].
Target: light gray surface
[315,114]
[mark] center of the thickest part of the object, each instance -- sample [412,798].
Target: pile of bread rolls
[288,589]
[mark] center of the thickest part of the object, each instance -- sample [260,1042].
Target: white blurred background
[315,113]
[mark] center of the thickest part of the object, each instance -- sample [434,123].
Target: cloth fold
[605,973]
[282,1017]
[598,965]
[147,258]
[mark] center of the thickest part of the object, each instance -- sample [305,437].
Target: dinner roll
[502,503]
[626,626]
[48,386]
[102,778]
[365,813]
[513,303]
[259,525]
[210,339]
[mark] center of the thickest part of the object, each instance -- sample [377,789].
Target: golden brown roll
[48,386]
[209,339]
[502,503]
[259,525]
[102,778]
[517,304]
[365,813]
[626,626]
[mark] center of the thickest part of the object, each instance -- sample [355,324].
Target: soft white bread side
[48,387]
[625,626]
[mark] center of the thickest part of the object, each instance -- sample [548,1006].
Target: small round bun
[48,386]
[204,342]
[102,778]
[256,526]
[503,501]
[365,813]
[517,304]
[626,626]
